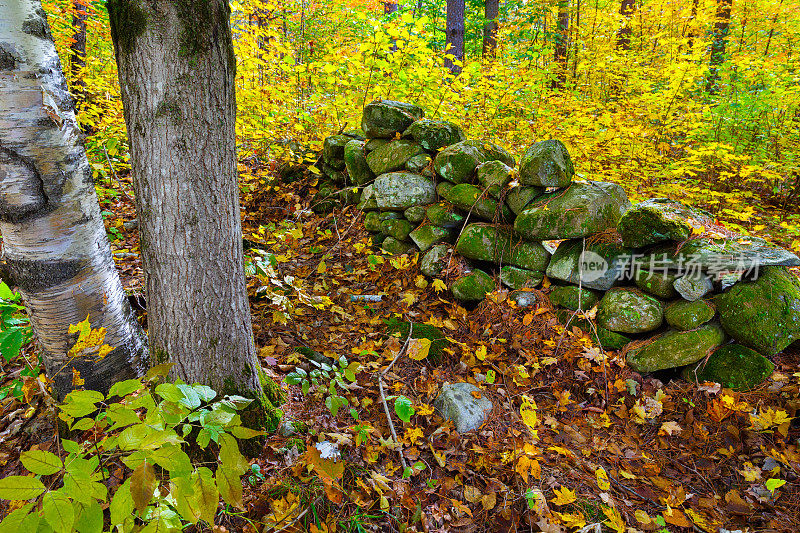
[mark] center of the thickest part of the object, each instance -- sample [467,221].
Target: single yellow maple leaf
[564,496]
[439,285]
[418,349]
[602,479]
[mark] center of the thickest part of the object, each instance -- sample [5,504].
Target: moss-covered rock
[397,228]
[457,162]
[427,235]
[629,310]
[594,266]
[338,175]
[401,190]
[573,297]
[520,278]
[385,118]
[657,283]
[395,247]
[415,213]
[434,134]
[473,286]
[763,314]
[372,221]
[419,163]
[494,176]
[519,198]
[392,156]
[674,348]
[693,287]
[546,164]
[582,209]
[470,198]
[606,339]
[434,260]
[734,366]
[443,188]
[659,219]
[333,150]
[373,144]
[524,297]
[272,390]
[356,162]
[684,315]
[444,216]
[421,331]
[488,242]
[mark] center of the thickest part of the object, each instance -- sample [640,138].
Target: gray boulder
[385,118]
[401,190]
[693,287]
[434,260]
[546,164]
[629,310]
[583,209]
[494,176]
[659,219]
[594,266]
[392,156]
[434,134]
[457,162]
[356,163]
[457,402]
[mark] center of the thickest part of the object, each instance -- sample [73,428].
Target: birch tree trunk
[54,242]
[455,35]
[176,71]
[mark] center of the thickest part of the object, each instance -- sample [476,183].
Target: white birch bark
[54,243]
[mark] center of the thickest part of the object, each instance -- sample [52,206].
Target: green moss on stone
[421,331]
[629,310]
[608,340]
[569,295]
[734,366]
[488,242]
[676,348]
[656,283]
[472,287]
[685,315]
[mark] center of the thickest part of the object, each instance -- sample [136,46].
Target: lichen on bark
[128,22]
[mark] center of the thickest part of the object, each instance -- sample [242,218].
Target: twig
[298,517]
[383,396]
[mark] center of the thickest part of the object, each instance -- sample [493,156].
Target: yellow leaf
[602,479]
[528,413]
[420,282]
[576,520]
[439,286]
[751,473]
[523,467]
[322,267]
[409,299]
[774,484]
[480,352]
[642,517]
[418,349]
[670,428]
[615,520]
[413,434]
[564,496]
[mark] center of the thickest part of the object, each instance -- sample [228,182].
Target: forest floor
[604,445]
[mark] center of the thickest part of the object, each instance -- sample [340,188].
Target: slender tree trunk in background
[176,70]
[772,29]
[576,26]
[722,26]
[55,247]
[77,60]
[626,9]
[560,49]
[692,17]
[417,8]
[455,35]
[389,7]
[491,12]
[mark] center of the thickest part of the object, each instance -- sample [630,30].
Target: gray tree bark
[77,60]
[490,13]
[55,247]
[455,35]
[176,71]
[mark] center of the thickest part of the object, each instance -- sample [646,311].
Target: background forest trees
[637,108]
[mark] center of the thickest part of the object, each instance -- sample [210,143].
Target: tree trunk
[722,26]
[389,7]
[54,242]
[560,49]
[455,35]
[626,9]
[77,61]
[176,70]
[491,13]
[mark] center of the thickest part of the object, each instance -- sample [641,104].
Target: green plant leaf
[241,432]
[206,487]
[403,408]
[41,462]
[5,291]
[82,424]
[230,486]
[20,488]
[121,504]
[170,457]
[187,500]
[21,520]
[11,343]
[230,456]
[90,518]
[123,388]
[58,511]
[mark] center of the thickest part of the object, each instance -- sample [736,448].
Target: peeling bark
[55,249]
[177,78]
